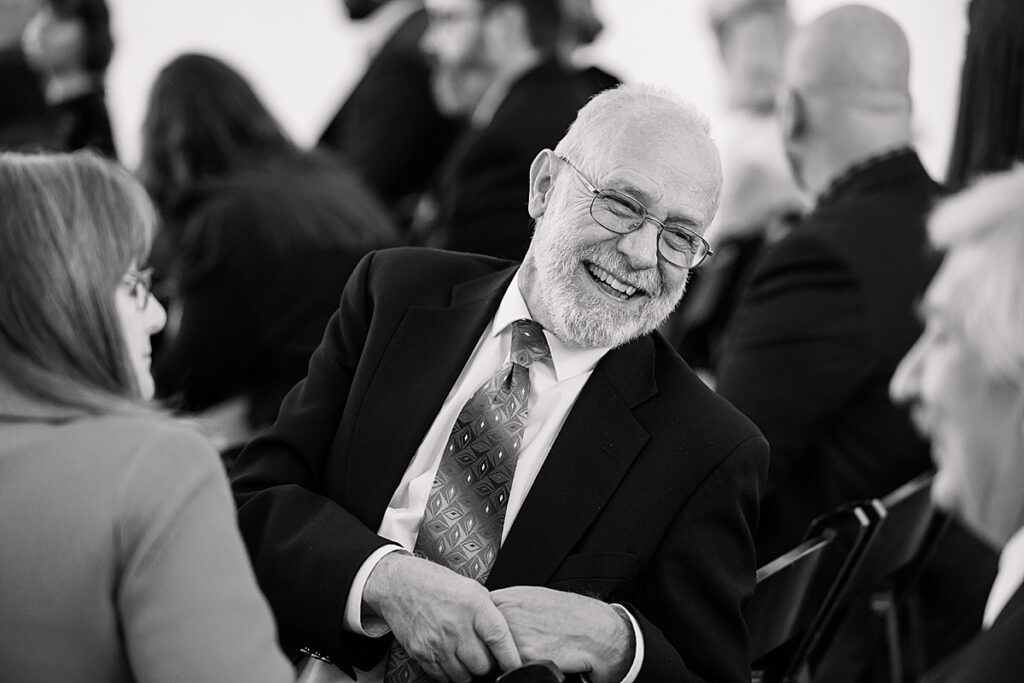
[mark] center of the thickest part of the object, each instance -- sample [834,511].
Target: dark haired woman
[120,557]
[260,239]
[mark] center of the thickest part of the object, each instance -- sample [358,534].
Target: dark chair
[892,559]
[795,593]
[533,672]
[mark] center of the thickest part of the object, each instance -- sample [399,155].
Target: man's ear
[541,183]
[792,114]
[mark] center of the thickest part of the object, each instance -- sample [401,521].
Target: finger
[475,656]
[433,669]
[455,670]
[492,628]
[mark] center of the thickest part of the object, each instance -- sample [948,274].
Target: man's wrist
[359,617]
[381,581]
[617,648]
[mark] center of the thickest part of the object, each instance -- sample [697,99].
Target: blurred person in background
[25,118]
[829,310]
[69,45]
[760,200]
[990,122]
[121,559]
[829,313]
[964,380]
[258,241]
[497,64]
[581,27]
[389,128]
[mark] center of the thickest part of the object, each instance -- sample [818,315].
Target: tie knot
[528,343]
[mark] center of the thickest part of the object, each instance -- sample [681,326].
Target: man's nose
[905,383]
[640,247]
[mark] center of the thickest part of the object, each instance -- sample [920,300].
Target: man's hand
[577,633]
[445,621]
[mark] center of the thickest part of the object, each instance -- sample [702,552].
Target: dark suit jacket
[484,184]
[26,122]
[827,316]
[648,496]
[994,656]
[389,127]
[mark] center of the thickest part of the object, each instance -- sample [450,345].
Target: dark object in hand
[533,672]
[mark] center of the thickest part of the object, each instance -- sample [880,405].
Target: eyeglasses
[139,284]
[622,214]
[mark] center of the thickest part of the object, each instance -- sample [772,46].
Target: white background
[302,56]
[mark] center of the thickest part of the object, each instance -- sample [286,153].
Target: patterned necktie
[466,507]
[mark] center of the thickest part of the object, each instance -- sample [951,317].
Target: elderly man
[501,463]
[965,381]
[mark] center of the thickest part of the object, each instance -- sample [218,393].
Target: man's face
[52,44]
[593,287]
[456,42]
[974,421]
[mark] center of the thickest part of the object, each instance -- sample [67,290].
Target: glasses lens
[139,284]
[682,247]
[617,212]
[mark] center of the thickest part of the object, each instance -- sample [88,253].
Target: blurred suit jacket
[481,189]
[389,128]
[993,656]
[648,496]
[827,315]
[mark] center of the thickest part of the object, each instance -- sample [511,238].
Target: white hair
[981,281]
[612,112]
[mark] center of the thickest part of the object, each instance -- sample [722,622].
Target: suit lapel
[423,359]
[593,451]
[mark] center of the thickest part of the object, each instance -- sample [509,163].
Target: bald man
[829,313]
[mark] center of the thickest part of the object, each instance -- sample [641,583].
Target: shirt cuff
[355,621]
[638,639]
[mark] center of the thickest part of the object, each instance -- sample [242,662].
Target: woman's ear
[541,183]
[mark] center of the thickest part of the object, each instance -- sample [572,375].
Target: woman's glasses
[139,284]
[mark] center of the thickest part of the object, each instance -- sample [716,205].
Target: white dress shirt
[554,386]
[1008,579]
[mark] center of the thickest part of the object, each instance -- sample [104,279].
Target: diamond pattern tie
[466,506]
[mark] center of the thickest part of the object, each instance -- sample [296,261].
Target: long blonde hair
[71,225]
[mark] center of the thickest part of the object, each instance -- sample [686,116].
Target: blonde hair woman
[120,558]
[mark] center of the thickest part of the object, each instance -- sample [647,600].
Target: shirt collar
[851,180]
[1011,559]
[498,91]
[568,361]
[384,22]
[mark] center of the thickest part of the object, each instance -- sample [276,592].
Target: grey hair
[981,281]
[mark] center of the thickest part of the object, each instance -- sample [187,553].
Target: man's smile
[610,284]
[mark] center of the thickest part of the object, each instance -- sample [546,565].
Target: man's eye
[621,206]
[680,240]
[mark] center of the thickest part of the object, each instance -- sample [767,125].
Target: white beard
[587,319]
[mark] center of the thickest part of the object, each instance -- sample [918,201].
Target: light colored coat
[120,558]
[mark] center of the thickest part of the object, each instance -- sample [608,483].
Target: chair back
[907,515]
[902,531]
[796,591]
